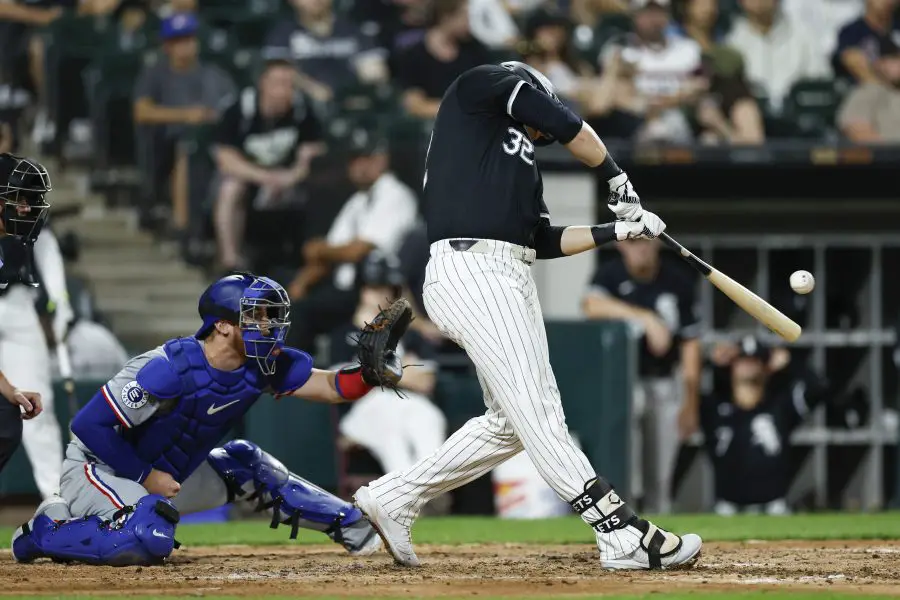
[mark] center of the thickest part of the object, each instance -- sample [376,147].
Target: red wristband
[350,384]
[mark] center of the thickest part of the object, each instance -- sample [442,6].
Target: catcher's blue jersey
[168,408]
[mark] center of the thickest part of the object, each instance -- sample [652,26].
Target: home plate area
[485,569]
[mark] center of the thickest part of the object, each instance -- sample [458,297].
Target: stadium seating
[109,84]
[811,105]
[71,43]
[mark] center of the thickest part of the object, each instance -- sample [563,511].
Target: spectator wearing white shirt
[378,215]
[656,77]
[777,51]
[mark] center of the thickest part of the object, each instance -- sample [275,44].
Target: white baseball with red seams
[802,282]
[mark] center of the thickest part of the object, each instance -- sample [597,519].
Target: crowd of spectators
[738,72]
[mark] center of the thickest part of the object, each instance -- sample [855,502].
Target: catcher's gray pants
[655,441]
[91,489]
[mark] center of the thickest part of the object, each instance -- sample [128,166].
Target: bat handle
[669,241]
[701,266]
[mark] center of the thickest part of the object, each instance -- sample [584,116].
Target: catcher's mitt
[377,343]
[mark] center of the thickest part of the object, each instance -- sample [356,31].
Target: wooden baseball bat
[752,304]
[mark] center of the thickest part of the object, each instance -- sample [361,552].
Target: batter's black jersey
[481,178]
[749,448]
[671,295]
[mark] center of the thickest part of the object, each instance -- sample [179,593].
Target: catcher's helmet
[538,81]
[380,269]
[258,305]
[23,186]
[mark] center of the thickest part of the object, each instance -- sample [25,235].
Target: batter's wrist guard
[613,510]
[603,234]
[608,168]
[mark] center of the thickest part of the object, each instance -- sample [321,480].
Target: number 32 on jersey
[518,143]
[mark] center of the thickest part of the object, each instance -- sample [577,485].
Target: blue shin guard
[252,474]
[143,534]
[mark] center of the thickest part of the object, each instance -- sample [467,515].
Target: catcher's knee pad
[143,534]
[253,474]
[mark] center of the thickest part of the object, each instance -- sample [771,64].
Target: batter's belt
[482,246]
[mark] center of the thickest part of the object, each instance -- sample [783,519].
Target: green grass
[568,530]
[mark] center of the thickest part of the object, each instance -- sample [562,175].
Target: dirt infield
[507,570]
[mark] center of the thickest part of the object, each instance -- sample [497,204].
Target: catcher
[145,450]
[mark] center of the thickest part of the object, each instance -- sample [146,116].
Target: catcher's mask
[259,306]
[538,81]
[23,186]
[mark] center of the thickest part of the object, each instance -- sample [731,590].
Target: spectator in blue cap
[172,95]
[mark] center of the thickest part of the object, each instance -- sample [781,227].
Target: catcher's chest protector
[181,434]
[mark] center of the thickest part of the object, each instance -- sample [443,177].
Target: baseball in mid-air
[802,282]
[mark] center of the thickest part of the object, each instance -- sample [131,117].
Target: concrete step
[139,282]
[158,331]
[110,235]
[156,273]
[143,251]
[158,291]
[127,301]
[137,309]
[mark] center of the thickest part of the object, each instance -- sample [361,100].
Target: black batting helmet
[24,184]
[532,76]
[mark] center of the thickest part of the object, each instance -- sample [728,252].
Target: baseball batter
[487,223]
[24,184]
[145,443]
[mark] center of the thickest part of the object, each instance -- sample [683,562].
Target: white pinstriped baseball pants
[485,300]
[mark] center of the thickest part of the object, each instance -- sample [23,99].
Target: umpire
[23,186]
